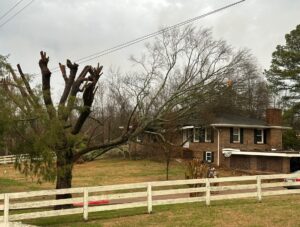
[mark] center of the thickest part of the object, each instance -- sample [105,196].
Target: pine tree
[284,72]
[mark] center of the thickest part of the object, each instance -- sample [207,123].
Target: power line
[148,36]
[11,9]
[14,15]
[142,38]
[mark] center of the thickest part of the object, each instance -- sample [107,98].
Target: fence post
[85,204]
[149,198]
[207,187]
[6,209]
[258,178]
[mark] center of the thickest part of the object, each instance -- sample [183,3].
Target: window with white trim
[236,135]
[208,156]
[260,136]
[202,135]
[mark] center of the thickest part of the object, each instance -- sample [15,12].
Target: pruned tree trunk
[167,169]
[167,158]
[64,165]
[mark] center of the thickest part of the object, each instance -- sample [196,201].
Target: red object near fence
[93,203]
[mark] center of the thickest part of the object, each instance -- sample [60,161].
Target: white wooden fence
[147,194]
[8,159]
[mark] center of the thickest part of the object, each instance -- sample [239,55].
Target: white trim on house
[280,127]
[249,126]
[187,127]
[255,153]
[241,126]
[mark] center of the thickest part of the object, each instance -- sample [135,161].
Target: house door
[294,164]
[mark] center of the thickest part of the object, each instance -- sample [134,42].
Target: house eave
[249,126]
[280,127]
[256,153]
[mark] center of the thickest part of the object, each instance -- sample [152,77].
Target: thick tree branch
[21,89]
[113,143]
[98,121]
[88,97]
[27,85]
[63,72]
[80,79]
[46,75]
[10,94]
[68,80]
[75,88]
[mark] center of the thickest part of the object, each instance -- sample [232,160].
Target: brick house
[242,143]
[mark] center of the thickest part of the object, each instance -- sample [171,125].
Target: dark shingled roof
[238,120]
[230,119]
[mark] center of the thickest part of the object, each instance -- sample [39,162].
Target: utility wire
[142,38]
[14,15]
[11,9]
[145,37]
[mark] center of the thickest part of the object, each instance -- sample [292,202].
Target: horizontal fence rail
[9,159]
[37,204]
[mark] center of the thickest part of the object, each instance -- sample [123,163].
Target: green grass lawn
[272,211]
[99,172]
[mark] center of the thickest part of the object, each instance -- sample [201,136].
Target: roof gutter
[254,153]
[250,126]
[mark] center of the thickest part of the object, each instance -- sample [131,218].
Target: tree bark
[167,169]
[64,165]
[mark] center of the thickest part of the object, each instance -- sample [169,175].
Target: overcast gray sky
[77,28]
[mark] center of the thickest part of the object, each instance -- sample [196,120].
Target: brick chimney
[274,116]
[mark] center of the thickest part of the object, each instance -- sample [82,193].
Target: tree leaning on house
[181,70]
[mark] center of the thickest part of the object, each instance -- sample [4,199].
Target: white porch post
[218,147]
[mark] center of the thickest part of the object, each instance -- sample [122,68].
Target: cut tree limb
[88,97]
[46,75]
[68,80]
